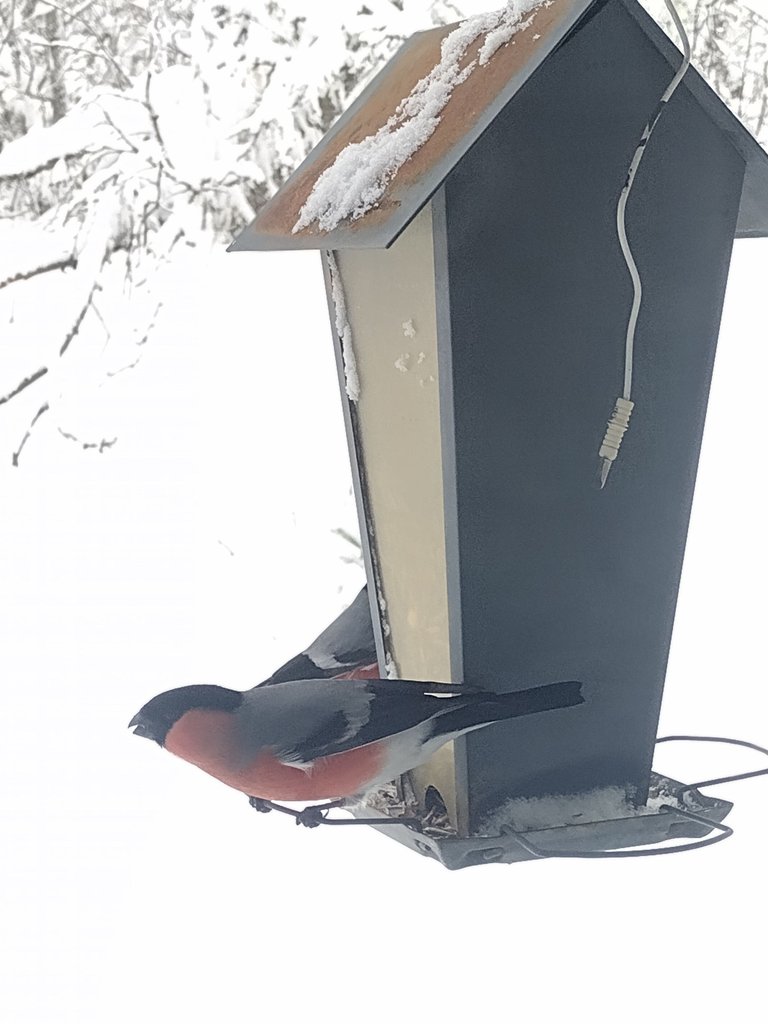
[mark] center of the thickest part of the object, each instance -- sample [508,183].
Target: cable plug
[614,435]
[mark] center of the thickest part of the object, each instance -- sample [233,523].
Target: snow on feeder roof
[389,152]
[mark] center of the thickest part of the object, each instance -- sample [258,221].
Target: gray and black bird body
[318,739]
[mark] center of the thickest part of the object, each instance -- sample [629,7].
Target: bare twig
[101,320]
[17,454]
[143,339]
[27,382]
[98,445]
[350,538]
[78,321]
[119,131]
[155,122]
[151,208]
[59,44]
[128,366]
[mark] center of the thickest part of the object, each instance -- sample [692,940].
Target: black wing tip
[300,667]
[571,690]
[551,696]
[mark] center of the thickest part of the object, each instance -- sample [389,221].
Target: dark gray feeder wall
[551,577]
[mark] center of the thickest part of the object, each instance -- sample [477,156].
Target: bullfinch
[327,739]
[344,649]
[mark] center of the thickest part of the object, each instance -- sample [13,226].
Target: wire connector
[619,422]
[614,435]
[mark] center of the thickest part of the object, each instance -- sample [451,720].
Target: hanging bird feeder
[466,208]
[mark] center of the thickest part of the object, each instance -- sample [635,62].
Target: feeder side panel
[556,579]
[390,303]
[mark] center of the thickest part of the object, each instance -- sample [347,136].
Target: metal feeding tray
[682,813]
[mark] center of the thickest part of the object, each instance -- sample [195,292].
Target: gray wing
[346,643]
[303,720]
[349,638]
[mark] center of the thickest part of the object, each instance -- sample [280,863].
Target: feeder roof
[449,120]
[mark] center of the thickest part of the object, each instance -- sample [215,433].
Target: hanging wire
[619,421]
[318,815]
[718,739]
[722,831]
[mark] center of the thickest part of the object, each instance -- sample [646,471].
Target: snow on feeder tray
[466,207]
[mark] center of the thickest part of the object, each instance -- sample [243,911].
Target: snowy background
[172,485]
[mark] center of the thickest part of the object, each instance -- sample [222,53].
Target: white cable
[619,421]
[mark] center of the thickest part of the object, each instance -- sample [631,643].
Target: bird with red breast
[327,739]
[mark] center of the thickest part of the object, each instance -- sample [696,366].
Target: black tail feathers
[483,709]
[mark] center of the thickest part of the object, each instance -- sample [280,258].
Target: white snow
[548,812]
[409,330]
[401,363]
[360,174]
[607,804]
[83,130]
[511,24]
[108,126]
[344,331]
[383,618]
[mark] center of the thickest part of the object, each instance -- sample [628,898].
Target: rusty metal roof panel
[470,110]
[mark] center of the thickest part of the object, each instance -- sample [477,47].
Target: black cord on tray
[313,816]
[723,831]
[719,739]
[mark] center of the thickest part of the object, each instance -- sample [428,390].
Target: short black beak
[140,727]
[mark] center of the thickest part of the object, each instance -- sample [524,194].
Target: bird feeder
[479,302]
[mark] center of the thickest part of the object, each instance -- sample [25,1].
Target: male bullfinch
[346,648]
[326,739]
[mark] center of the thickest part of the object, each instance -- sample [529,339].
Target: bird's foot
[315,815]
[311,817]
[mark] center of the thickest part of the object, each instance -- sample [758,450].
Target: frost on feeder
[466,205]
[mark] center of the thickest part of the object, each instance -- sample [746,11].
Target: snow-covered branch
[26,275]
